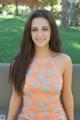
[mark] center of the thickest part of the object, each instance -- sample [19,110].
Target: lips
[40,40]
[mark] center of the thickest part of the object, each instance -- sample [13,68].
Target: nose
[40,33]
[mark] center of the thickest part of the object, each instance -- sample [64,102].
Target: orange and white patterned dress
[42,90]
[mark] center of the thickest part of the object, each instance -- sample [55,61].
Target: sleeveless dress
[42,90]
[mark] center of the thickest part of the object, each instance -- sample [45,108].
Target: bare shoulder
[65,57]
[62,61]
[67,62]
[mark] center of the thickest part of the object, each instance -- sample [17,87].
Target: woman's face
[40,32]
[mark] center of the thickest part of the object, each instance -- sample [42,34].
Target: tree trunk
[64,18]
[16,3]
[78,13]
[3,5]
[72,13]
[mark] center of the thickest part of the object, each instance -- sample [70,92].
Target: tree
[16,3]
[50,3]
[64,15]
[78,10]
[72,13]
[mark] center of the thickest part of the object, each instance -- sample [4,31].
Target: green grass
[71,43]
[11,30]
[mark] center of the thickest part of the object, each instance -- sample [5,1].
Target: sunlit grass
[75,45]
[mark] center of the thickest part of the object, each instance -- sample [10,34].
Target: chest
[43,78]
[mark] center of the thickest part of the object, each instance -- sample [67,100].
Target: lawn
[71,43]
[11,30]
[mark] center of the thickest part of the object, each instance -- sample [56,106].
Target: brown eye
[45,29]
[34,29]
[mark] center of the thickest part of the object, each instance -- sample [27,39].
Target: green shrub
[11,9]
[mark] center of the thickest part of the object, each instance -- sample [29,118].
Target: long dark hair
[21,63]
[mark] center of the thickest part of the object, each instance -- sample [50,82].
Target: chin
[40,45]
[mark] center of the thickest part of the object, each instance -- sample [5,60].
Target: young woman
[41,74]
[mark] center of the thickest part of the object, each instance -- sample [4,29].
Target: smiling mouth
[40,40]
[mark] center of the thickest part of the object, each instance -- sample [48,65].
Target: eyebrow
[42,26]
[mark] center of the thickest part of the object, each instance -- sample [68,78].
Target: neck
[43,52]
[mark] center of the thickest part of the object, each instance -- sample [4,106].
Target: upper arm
[15,103]
[15,99]
[67,77]
[15,95]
